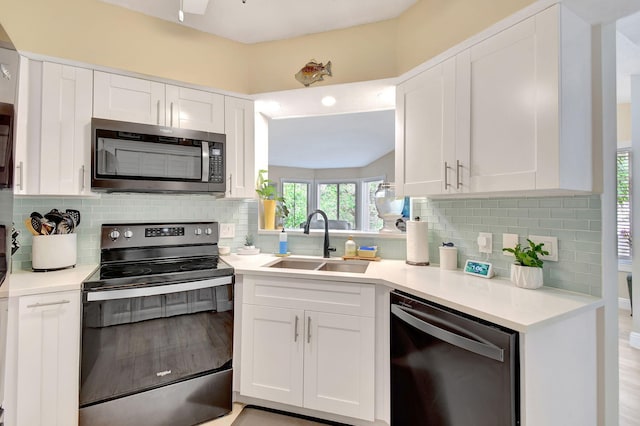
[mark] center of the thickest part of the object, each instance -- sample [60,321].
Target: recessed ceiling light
[328,101]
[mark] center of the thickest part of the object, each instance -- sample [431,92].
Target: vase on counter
[526,276]
[269,214]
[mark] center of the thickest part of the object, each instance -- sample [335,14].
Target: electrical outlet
[485,242]
[227,230]
[550,245]
[509,241]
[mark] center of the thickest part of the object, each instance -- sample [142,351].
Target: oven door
[144,338]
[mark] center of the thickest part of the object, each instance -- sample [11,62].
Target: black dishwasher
[449,368]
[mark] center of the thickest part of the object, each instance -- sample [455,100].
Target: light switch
[485,242]
[550,245]
[227,230]
[509,241]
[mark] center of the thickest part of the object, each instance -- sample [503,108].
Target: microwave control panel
[216,163]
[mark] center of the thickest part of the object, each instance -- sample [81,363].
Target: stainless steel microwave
[132,157]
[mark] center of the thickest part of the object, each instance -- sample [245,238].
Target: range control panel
[127,235]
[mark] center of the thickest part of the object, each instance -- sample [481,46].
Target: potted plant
[526,272]
[272,204]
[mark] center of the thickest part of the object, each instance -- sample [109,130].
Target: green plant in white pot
[526,272]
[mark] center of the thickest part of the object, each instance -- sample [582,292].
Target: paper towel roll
[417,242]
[448,258]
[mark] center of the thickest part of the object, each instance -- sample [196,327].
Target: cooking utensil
[66,225]
[47,227]
[75,215]
[34,225]
[54,216]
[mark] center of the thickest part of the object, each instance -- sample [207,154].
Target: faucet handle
[331,248]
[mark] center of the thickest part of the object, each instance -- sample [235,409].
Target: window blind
[624,204]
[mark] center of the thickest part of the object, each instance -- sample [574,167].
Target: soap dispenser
[350,247]
[283,242]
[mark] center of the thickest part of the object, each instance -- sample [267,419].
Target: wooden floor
[629,380]
[629,373]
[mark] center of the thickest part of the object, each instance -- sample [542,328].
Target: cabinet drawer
[325,296]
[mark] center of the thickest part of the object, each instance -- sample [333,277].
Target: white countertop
[496,299]
[22,283]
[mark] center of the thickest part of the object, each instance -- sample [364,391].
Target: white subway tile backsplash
[575,221]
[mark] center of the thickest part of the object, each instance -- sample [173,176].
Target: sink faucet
[327,249]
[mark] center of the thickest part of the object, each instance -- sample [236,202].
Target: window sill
[336,232]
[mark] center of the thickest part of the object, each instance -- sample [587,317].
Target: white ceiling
[263,20]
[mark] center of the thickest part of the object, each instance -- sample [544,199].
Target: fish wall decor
[312,72]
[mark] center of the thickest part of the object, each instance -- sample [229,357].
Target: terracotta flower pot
[269,212]
[526,276]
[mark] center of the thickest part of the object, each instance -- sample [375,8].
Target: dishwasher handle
[486,349]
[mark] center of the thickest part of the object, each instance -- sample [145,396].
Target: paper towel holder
[423,262]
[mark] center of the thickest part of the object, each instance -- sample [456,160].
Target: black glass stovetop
[161,271]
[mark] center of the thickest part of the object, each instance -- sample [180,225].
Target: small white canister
[448,257]
[51,252]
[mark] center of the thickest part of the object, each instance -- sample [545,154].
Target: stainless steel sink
[337,265]
[297,264]
[344,266]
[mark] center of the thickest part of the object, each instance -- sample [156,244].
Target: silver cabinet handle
[158,111]
[82,185]
[171,114]
[21,183]
[446,175]
[230,183]
[458,167]
[295,334]
[40,305]
[308,329]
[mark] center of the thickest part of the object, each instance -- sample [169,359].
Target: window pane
[374,223]
[338,201]
[624,204]
[296,196]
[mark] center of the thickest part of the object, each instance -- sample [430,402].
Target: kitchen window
[624,223]
[349,204]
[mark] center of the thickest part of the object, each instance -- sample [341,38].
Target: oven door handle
[95,296]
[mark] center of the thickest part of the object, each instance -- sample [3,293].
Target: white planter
[526,276]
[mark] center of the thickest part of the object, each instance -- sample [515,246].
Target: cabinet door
[272,354]
[117,97]
[425,136]
[240,148]
[502,94]
[194,109]
[339,364]
[65,133]
[48,359]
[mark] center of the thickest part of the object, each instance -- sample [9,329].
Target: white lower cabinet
[48,351]
[318,353]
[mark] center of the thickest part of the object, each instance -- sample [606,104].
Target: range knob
[128,233]
[208,231]
[198,231]
[114,235]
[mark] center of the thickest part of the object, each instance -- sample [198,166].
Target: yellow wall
[98,33]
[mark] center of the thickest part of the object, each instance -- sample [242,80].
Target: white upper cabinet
[117,97]
[194,109]
[122,98]
[53,147]
[522,114]
[425,135]
[240,148]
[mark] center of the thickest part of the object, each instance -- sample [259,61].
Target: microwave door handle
[487,349]
[205,161]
